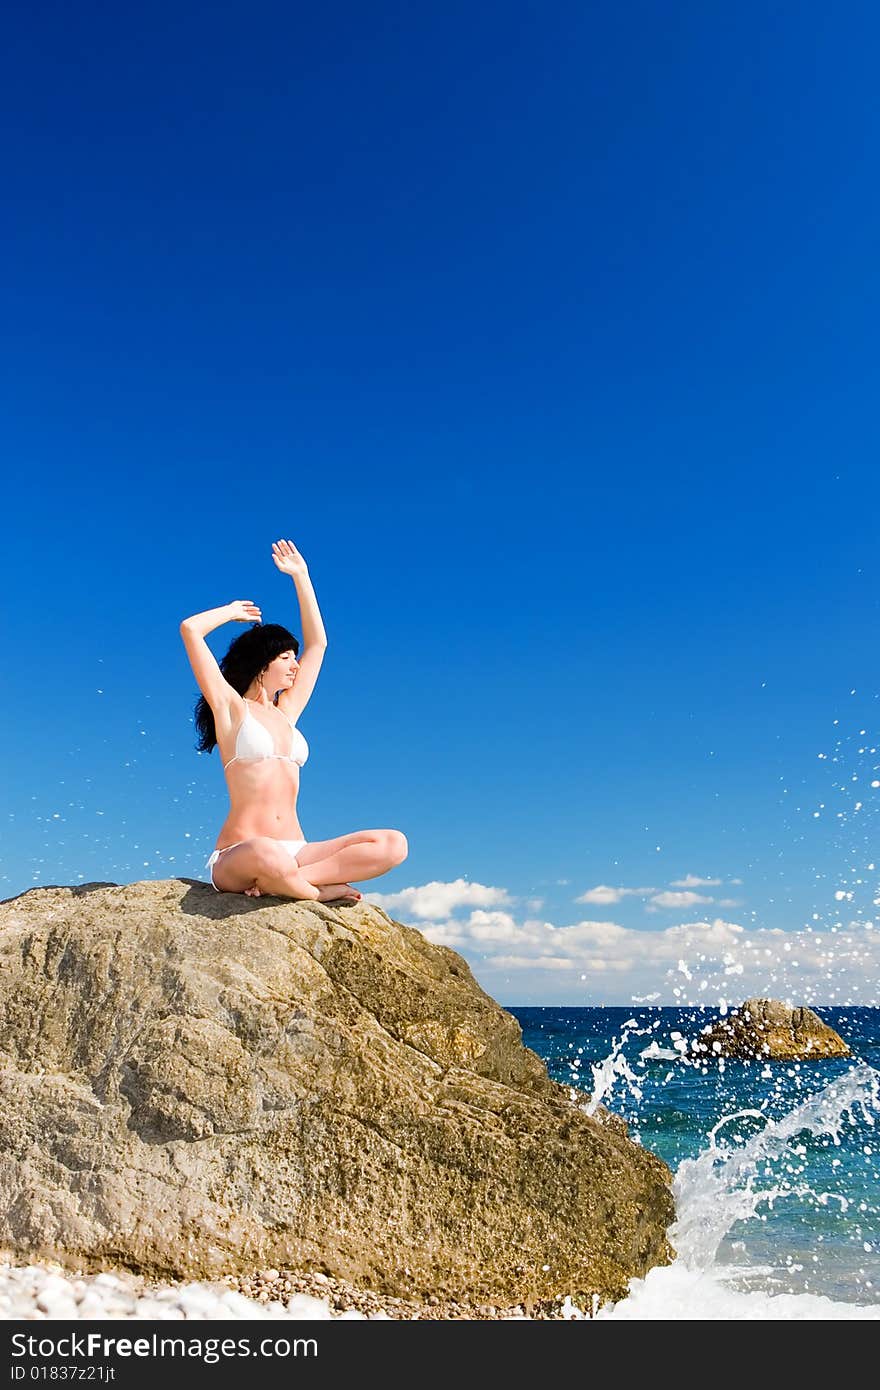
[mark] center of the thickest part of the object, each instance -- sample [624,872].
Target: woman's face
[282,671]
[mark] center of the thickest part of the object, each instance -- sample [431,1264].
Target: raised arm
[212,683]
[288,559]
[243,610]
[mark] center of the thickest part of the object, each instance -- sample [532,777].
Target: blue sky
[549,338]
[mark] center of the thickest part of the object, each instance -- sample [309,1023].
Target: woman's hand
[242,610]
[288,558]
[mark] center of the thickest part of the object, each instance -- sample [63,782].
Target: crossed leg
[320,870]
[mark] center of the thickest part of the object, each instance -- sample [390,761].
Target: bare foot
[300,886]
[333,892]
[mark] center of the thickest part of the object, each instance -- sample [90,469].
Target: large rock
[765,1028]
[194,1084]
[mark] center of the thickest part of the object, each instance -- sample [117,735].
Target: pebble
[47,1291]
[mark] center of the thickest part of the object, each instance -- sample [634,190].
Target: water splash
[730,1182]
[616,1066]
[725,1184]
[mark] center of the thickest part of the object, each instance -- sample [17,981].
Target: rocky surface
[196,1085]
[765,1028]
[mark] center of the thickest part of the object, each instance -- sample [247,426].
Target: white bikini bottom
[293,848]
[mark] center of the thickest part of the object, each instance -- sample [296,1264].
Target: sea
[775,1164]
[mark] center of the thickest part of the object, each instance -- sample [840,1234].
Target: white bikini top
[254,742]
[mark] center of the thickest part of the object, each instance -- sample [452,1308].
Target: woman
[249,707]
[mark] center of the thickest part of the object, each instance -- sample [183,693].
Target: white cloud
[451,934]
[679,900]
[692,881]
[603,894]
[531,960]
[439,899]
[492,926]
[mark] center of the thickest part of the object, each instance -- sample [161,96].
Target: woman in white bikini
[249,707]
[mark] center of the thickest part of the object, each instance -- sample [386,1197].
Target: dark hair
[248,655]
